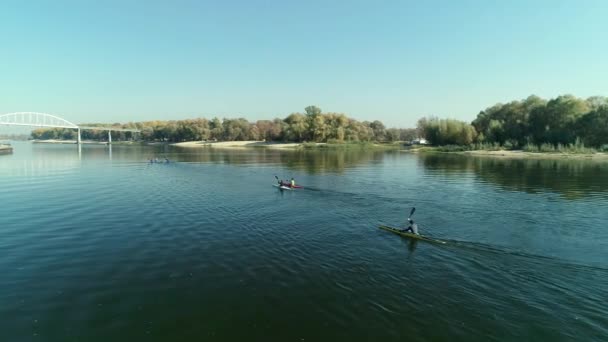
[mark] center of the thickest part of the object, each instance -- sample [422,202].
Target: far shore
[519,154]
[236,144]
[6,149]
[282,145]
[56,141]
[512,154]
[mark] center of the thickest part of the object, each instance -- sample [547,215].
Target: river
[104,246]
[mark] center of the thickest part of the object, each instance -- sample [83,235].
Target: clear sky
[395,61]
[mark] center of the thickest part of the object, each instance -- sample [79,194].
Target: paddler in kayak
[281,183]
[412,226]
[292,183]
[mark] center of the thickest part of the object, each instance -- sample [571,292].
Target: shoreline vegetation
[233,144]
[307,128]
[565,125]
[397,146]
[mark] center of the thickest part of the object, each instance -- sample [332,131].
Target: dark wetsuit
[412,228]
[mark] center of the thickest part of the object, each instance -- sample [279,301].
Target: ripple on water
[102,249]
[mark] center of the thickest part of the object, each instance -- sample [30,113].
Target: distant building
[420,141]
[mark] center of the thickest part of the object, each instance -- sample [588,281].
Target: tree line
[564,120]
[311,126]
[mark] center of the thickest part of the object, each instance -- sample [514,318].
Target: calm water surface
[104,246]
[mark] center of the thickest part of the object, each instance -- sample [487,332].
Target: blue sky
[395,61]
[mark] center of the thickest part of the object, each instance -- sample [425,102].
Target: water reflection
[41,156]
[411,245]
[34,160]
[571,178]
[309,161]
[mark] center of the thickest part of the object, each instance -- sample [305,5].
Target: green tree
[312,111]
[392,134]
[593,127]
[554,123]
[379,130]
[217,130]
[315,129]
[447,131]
[296,127]
[595,102]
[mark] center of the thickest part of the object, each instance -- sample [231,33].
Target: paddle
[411,213]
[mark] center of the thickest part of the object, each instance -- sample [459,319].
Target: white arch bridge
[34,119]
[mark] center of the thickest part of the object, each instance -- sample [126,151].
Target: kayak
[287,186]
[411,235]
[283,187]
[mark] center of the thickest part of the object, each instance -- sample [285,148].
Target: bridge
[34,119]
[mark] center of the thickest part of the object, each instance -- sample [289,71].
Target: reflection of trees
[573,179]
[310,161]
[329,160]
[307,160]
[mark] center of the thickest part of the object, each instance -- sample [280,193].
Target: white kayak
[283,187]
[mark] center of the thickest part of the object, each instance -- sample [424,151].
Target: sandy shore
[53,141]
[236,144]
[522,154]
[6,149]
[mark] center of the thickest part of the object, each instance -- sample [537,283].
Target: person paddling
[412,226]
[280,181]
[293,183]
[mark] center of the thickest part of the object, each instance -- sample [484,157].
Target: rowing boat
[411,235]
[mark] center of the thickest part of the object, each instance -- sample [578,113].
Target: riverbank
[279,145]
[519,154]
[55,141]
[545,155]
[236,144]
[6,149]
